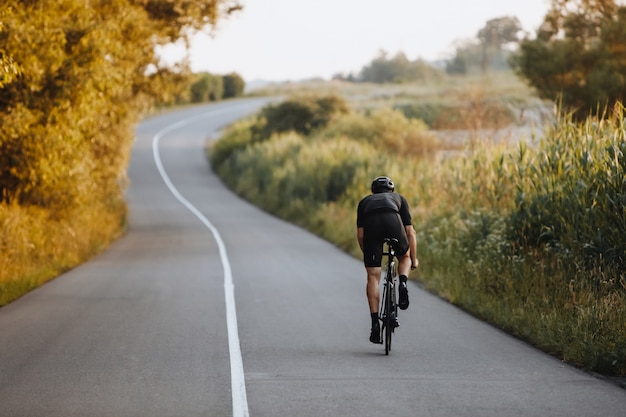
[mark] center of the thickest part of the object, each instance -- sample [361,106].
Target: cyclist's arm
[411,235]
[359,237]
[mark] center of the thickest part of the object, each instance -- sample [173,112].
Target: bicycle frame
[388,311]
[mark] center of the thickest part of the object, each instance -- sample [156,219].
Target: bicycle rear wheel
[389,317]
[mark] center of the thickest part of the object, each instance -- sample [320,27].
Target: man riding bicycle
[385,214]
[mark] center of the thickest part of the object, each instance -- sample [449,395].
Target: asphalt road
[154,326]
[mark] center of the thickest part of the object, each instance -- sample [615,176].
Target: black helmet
[382,185]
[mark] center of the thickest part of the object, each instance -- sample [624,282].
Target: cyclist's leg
[406,261]
[372,289]
[402,249]
[404,267]
[404,264]
[372,260]
[404,252]
[372,254]
[374,231]
[373,299]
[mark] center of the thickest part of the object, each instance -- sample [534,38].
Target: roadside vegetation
[75,77]
[526,236]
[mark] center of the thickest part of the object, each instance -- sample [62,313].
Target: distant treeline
[577,57]
[489,50]
[203,87]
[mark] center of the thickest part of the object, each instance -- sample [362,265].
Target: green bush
[234,85]
[426,112]
[300,114]
[387,130]
[207,87]
[238,137]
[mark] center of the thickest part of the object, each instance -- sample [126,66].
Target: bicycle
[388,311]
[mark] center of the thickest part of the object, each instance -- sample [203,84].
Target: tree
[458,64]
[207,87]
[495,35]
[9,70]
[578,56]
[66,121]
[397,69]
[234,85]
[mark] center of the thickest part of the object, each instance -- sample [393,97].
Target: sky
[277,40]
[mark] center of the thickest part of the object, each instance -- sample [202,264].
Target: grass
[38,245]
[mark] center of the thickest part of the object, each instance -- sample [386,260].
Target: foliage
[489,50]
[78,76]
[180,86]
[66,123]
[207,87]
[496,34]
[9,70]
[575,195]
[238,136]
[388,131]
[234,85]
[398,69]
[475,114]
[299,114]
[35,247]
[536,235]
[578,56]
[458,65]
[500,31]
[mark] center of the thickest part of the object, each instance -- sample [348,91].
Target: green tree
[397,69]
[234,85]
[458,64]
[496,34]
[208,87]
[578,56]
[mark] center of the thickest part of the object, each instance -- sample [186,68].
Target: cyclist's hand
[415,264]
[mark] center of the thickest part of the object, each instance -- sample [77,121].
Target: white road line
[237,378]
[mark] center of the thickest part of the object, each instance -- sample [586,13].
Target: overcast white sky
[297,39]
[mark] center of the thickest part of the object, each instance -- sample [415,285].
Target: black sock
[403,279]
[374,318]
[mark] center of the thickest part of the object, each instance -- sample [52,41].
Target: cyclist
[385,214]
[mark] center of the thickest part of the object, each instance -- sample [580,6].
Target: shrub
[207,87]
[300,114]
[386,130]
[233,85]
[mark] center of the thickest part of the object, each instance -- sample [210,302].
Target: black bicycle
[388,311]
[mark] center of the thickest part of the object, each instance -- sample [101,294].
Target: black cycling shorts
[376,228]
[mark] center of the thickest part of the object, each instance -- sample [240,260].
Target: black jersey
[383,202]
[383,215]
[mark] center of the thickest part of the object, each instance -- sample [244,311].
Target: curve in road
[142,329]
